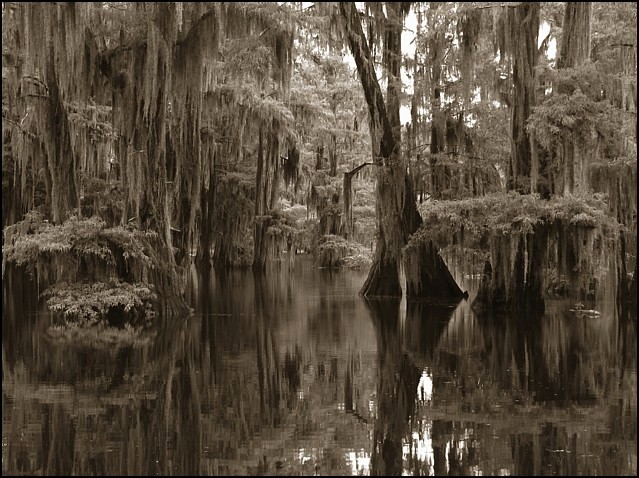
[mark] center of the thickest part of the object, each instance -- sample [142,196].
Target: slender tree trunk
[332,156]
[347,218]
[259,248]
[207,198]
[438,121]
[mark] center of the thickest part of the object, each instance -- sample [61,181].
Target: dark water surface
[295,374]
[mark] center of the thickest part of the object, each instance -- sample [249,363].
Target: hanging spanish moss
[51,40]
[290,169]
[517,32]
[233,220]
[618,180]
[530,242]
[157,81]
[469,30]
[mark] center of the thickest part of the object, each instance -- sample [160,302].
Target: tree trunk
[347,218]
[438,119]
[207,198]
[259,248]
[575,46]
[332,156]
[396,211]
[514,279]
[427,276]
[141,124]
[575,51]
[60,156]
[526,23]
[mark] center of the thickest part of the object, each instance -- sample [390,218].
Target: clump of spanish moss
[89,272]
[336,251]
[526,237]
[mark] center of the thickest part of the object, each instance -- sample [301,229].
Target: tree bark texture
[396,210]
[427,276]
[525,20]
[575,51]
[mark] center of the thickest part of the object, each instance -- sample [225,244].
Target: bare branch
[17,125]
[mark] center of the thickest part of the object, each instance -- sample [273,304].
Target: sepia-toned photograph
[319,238]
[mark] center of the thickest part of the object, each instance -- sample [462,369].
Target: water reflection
[396,389]
[293,373]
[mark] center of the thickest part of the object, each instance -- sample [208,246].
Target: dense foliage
[139,137]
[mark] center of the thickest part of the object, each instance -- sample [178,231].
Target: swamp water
[294,373]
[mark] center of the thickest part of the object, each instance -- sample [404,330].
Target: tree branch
[353,171]
[492,5]
[17,125]
[366,71]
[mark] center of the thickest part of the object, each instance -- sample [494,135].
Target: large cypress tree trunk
[396,211]
[525,24]
[575,51]
[140,115]
[60,155]
[575,47]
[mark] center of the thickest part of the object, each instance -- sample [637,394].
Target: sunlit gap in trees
[408,49]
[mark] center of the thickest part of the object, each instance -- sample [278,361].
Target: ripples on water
[293,373]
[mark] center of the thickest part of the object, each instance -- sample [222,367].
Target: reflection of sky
[425,387]
[422,444]
[360,462]
[422,448]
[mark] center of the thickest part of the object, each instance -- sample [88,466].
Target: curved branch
[366,70]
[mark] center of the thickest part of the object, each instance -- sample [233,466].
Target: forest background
[141,137]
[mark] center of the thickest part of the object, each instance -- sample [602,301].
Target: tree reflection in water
[396,389]
[548,390]
[293,373]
